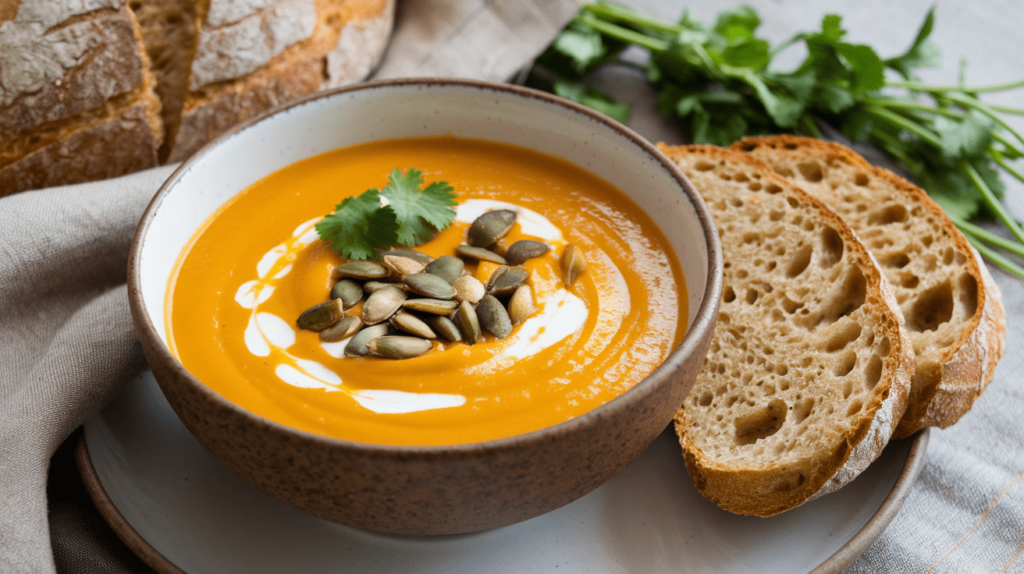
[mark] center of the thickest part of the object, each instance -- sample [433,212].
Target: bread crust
[767,490]
[945,386]
[50,75]
[80,155]
[85,92]
[297,71]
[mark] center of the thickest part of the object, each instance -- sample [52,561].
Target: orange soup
[257,264]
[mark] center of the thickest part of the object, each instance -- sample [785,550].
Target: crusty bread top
[809,367]
[952,308]
[61,59]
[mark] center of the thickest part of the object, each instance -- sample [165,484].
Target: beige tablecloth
[66,339]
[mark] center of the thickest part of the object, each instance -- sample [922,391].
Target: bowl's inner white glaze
[389,111]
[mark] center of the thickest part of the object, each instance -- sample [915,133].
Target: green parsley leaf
[921,54]
[420,212]
[359,226]
[967,137]
[593,98]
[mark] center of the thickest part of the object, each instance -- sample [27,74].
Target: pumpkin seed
[398,347]
[348,291]
[469,324]
[493,317]
[402,266]
[429,285]
[446,267]
[498,272]
[358,346]
[469,288]
[412,324]
[381,305]
[445,327]
[521,306]
[432,306]
[573,263]
[361,270]
[341,330]
[490,227]
[525,249]
[320,316]
[410,253]
[480,254]
[508,281]
[374,286]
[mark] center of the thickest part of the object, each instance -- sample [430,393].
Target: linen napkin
[67,341]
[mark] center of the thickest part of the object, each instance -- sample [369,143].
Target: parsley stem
[893,147]
[1011,147]
[903,105]
[905,123]
[1006,110]
[975,103]
[919,87]
[623,14]
[990,238]
[992,201]
[624,34]
[995,257]
[1001,162]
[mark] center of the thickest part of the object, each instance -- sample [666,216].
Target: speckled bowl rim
[703,323]
[836,563]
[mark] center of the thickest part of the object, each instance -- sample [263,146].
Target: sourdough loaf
[74,87]
[952,307]
[232,59]
[809,366]
[96,88]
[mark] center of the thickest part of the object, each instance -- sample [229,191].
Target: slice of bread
[809,366]
[952,307]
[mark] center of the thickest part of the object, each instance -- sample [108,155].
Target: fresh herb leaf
[359,226]
[921,54]
[592,98]
[420,213]
[718,80]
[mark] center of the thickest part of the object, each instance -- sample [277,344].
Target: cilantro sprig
[361,225]
[719,81]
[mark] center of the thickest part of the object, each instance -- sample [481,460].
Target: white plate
[176,505]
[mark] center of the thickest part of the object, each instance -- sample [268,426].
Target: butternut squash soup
[258,263]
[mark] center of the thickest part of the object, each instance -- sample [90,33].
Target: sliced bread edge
[768,491]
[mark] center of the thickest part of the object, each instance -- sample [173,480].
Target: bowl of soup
[487,422]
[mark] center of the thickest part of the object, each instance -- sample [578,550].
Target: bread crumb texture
[809,368]
[952,308]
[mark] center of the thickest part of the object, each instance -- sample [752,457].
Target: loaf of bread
[951,305]
[237,58]
[98,88]
[76,96]
[809,366]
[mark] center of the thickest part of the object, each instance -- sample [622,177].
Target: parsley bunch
[361,225]
[719,81]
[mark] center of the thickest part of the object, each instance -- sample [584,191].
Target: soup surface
[257,263]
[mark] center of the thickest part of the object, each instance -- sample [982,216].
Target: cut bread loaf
[223,62]
[74,86]
[809,366]
[93,89]
[952,307]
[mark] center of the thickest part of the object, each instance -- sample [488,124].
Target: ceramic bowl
[445,489]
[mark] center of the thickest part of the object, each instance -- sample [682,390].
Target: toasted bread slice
[952,307]
[809,366]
